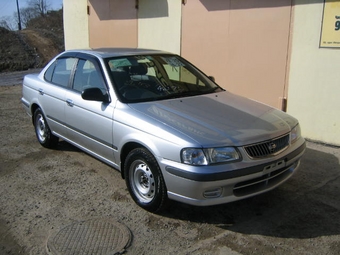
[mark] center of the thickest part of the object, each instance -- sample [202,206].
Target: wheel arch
[125,151]
[34,107]
[155,145]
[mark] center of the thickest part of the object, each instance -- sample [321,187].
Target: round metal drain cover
[90,237]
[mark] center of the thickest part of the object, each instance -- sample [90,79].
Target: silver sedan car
[171,131]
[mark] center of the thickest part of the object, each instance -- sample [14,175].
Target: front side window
[59,72]
[157,77]
[87,75]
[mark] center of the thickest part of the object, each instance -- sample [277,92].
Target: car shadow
[65,146]
[306,206]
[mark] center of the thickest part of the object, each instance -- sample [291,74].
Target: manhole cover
[90,237]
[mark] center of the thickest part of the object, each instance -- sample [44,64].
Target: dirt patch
[14,53]
[44,47]
[43,191]
[34,46]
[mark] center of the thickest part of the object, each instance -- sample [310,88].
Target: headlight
[201,157]
[193,156]
[295,133]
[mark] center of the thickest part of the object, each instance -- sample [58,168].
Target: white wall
[159,25]
[314,79]
[76,29]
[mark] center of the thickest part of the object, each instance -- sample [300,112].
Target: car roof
[117,52]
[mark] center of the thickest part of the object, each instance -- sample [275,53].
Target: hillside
[34,46]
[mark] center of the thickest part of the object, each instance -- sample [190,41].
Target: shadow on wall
[153,9]
[306,206]
[129,9]
[218,5]
[143,9]
[114,9]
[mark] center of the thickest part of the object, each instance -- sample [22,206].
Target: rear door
[52,96]
[90,123]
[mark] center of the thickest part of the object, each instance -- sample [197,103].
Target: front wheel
[144,180]
[42,130]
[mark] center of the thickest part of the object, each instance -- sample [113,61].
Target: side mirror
[95,94]
[212,78]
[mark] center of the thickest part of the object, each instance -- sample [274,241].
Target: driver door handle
[69,102]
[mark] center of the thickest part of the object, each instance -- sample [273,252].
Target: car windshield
[157,77]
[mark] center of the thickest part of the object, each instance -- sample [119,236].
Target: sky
[8,7]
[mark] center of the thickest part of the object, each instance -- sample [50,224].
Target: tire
[144,180]
[42,130]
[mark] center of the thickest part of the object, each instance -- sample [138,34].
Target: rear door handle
[69,102]
[41,91]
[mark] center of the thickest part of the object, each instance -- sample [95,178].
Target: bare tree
[6,22]
[41,6]
[36,8]
[28,14]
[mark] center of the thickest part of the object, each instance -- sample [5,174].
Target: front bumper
[219,184]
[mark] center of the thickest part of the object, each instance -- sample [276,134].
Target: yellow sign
[330,35]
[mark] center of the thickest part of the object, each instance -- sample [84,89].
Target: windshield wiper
[181,94]
[189,93]
[212,90]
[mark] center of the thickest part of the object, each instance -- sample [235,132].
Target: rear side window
[49,72]
[60,71]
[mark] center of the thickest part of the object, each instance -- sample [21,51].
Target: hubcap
[41,128]
[142,181]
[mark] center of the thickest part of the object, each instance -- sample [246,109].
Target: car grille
[267,148]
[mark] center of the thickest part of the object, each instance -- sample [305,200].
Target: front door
[90,123]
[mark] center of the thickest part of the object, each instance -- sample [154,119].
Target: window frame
[97,65]
[77,56]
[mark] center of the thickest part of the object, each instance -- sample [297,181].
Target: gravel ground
[15,78]
[42,191]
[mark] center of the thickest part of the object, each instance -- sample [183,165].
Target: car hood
[219,119]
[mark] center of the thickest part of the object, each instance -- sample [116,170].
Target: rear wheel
[144,180]
[42,130]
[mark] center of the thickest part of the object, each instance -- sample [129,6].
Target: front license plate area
[274,166]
